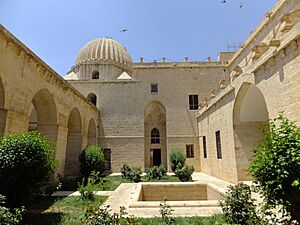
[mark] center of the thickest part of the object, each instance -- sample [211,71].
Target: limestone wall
[274,73]
[123,105]
[25,81]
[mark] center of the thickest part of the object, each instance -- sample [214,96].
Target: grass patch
[111,183]
[213,220]
[59,210]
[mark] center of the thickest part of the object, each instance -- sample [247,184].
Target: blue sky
[56,29]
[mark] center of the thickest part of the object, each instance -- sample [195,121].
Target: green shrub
[135,175]
[184,173]
[103,216]
[91,159]
[176,156]
[166,213]
[27,163]
[238,206]
[125,170]
[10,217]
[98,216]
[276,165]
[156,172]
[86,189]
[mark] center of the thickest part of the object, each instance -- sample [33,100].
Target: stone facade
[32,94]
[264,79]
[141,111]
[129,111]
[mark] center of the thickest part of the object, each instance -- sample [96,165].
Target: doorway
[155,156]
[107,157]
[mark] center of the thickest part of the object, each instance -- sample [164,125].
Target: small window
[193,101]
[189,151]
[93,98]
[154,88]
[95,74]
[155,139]
[218,145]
[204,147]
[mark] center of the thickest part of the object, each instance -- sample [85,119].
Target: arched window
[155,139]
[95,74]
[93,98]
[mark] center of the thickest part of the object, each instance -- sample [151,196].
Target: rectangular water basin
[178,194]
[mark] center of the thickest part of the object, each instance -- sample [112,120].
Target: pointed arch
[155,130]
[74,141]
[43,114]
[249,114]
[93,98]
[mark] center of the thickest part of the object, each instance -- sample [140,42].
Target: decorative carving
[212,94]
[222,84]
[287,23]
[237,71]
[274,43]
[268,15]
[258,50]
[255,53]
[205,102]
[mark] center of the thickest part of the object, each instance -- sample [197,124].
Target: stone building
[146,109]
[139,111]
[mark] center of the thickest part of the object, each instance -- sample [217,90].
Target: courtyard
[118,138]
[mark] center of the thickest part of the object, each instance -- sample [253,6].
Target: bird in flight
[123,30]
[241,5]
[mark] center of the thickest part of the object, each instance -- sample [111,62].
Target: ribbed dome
[104,50]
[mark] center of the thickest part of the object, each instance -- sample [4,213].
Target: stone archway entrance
[249,114]
[155,135]
[73,144]
[43,115]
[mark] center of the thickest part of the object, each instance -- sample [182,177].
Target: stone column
[61,146]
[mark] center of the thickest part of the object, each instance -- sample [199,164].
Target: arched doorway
[3,112]
[249,115]
[155,135]
[92,133]
[43,115]
[73,144]
[93,98]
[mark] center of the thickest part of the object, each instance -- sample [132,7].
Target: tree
[176,158]
[276,166]
[91,159]
[27,163]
